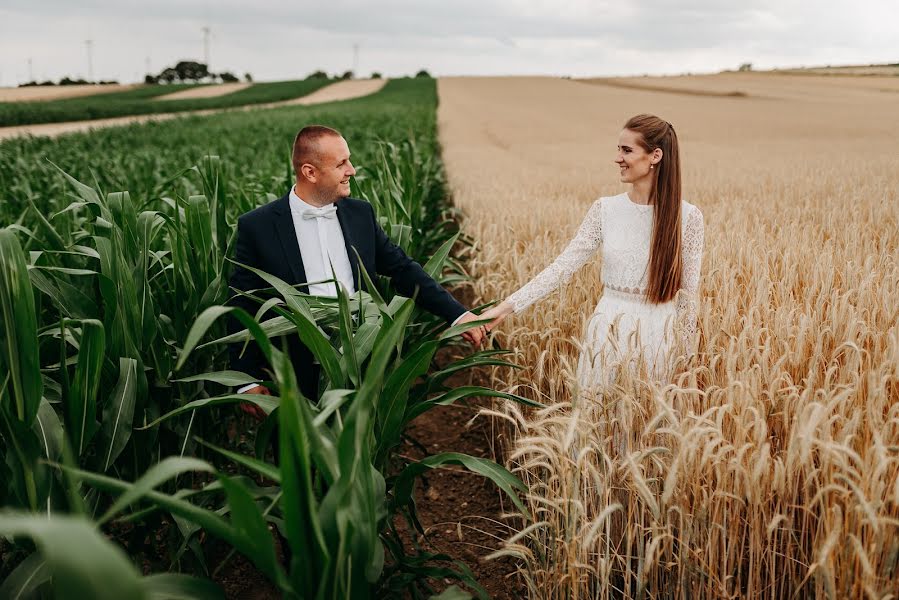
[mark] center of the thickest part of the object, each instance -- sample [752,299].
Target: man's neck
[309,197]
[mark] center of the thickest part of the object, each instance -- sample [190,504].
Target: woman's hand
[497,314]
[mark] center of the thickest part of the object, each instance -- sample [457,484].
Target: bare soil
[206,91]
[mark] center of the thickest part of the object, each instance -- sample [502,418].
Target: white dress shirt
[321,246]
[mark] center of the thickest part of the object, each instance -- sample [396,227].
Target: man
[298,239]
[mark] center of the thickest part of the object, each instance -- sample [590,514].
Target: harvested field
[342,90]
[762,85]
[206,91]
[768,468]
[58,92]
[877,70]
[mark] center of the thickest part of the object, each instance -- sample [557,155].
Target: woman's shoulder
[690,213]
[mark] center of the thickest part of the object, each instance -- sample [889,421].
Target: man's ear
[308,172]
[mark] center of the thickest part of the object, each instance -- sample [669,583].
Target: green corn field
[115,253]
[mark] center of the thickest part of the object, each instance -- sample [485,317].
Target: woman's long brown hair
[665,268]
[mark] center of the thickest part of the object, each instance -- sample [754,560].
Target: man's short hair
[306,148]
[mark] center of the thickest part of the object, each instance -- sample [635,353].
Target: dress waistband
[625,292]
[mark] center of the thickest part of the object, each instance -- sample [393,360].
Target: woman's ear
[657,155]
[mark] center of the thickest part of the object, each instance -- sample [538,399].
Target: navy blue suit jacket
[267,240]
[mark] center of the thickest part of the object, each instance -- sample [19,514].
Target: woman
[651,245]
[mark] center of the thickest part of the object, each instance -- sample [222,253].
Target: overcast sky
[276,39]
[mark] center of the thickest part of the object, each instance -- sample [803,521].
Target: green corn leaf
[49,431]
[81,405]
[23,582]
[118,414]
[311,556]
[167,469]
[263,401]
[467,391]
[83,563]
[211,522]
[263,468]
[19,350]
[436,263]
[247,519]
[226,378]
[505,480]
[177,586]
[391,408]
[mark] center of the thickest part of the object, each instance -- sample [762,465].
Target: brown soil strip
[58,92]
[206,91]
[343,90]
[630,84]
[462,513]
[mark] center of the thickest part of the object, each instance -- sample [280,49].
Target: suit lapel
[343,216]
[287,235]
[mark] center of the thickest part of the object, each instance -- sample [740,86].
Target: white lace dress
[624,327]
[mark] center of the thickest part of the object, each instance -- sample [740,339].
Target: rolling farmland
[768,467]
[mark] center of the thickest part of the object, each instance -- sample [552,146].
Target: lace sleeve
[578,251]
[693,237]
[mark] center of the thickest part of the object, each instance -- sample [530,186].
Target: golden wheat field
[769,466]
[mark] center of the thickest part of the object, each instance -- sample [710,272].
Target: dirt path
[342,90]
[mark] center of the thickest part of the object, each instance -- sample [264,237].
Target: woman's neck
[640,191]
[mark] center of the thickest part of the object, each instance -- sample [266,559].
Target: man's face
[334,169]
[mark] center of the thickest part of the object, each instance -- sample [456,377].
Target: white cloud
[275,39]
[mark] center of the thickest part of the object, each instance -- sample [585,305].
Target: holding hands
[496,314]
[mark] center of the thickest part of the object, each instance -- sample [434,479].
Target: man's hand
[473,336]
[252,409]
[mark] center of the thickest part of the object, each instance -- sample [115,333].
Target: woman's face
[633,161]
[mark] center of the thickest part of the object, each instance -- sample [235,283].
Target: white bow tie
[325,212]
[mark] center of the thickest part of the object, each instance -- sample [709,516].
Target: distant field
[140,101]
[337,91]
[759,85]
[57,92]
[206,91]
[882,70]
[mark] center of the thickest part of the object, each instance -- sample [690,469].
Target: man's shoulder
[354,204]
[261,213]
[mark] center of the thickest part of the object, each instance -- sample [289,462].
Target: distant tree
[228,77]
[317,75]
[347,75]
[190,70]
[423,73]
[168,75]
[151,79]
[375,75]
[48,82]
[745,67]
[248,78]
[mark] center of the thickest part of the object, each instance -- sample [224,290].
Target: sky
[279,40]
